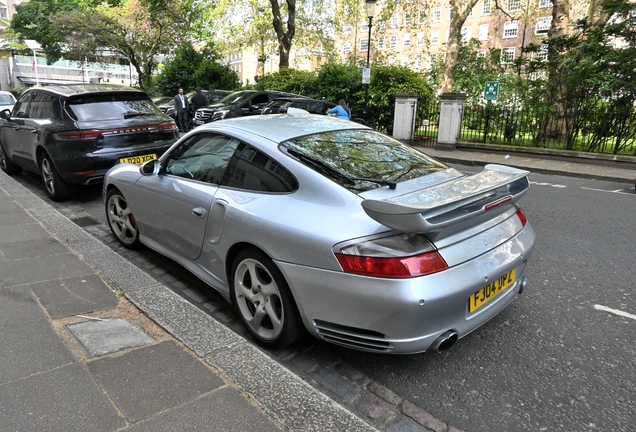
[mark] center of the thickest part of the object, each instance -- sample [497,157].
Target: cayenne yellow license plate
[491,291]
[138,160]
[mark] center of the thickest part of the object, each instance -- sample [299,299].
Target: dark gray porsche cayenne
[72,134]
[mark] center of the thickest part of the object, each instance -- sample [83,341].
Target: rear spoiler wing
[435,208]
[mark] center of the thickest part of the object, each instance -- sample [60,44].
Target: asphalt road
[561,357]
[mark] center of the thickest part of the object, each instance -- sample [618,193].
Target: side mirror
[151,167]
[5,114]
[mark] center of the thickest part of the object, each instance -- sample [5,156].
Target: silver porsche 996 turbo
[311,224]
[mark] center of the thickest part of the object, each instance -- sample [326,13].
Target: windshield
[110,106]
[359,155]
[6,100]
[236,97]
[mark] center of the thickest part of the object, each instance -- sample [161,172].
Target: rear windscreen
[111,106]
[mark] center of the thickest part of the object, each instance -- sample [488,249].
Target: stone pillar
[450,120]
[404,117]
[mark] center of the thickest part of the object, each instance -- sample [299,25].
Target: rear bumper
[405,316]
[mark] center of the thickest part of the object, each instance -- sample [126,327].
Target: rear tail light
[522,217]
[90,134]
[397,256]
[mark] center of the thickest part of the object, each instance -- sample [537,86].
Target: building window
[437,14]
[408,19]
[394,21]
[406,42]
[483,32]
[545,3]
[381,42]
[393,42]
[364,26]
[418,63]
[4,13]
[433,59]
[420,39]
[507,55]
[391,60]
[346,47]
[434,37]
[543,25]
[466,34]
[542,54]
[481,53]
[511,29]
[422,17]
[346,28]
[405,60]
[514,5]
[364,45]
[536,75]
[486,7]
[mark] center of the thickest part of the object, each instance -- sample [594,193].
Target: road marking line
[617,191]
[615,311]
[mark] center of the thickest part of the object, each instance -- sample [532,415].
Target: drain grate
[86,221]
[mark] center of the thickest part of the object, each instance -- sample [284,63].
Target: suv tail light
[397,256]
[89,134]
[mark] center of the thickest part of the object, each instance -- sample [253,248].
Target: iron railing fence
[592,126]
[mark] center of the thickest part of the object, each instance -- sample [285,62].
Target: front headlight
[219,115]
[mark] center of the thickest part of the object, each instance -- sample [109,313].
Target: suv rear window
[110,106]
[348,156]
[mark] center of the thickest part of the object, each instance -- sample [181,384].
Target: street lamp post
[370,5]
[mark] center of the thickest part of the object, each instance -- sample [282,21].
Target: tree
[127,31]
[459,12]
[285,31]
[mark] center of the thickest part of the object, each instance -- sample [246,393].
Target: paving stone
[386,394]
[422,417]
[336,384]
[353,374]
[405,425]
[304,362]
[194,295]
[105,337]
[375,408]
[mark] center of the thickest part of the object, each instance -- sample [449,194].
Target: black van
[238,104]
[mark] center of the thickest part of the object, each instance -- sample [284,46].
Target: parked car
[321,225]
[284,105]
[7,100]
[166,103]
[72,134]
[238,104]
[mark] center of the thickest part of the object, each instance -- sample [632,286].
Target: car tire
[121,220]
[263,300]
[56,188]
[6,165]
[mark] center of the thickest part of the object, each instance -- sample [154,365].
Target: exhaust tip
[445,341]
[523,284]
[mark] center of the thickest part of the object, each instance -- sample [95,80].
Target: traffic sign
[366,75]
[491,90]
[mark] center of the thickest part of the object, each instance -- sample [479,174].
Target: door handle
[199,212]
[16,127]
[34,131]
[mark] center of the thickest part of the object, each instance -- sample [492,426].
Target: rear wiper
[337,174]
[390,183]
[130,114]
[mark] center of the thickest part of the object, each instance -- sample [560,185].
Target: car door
[256,104]
[175,205]
[11,130]
[36,124]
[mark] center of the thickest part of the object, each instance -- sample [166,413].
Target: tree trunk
[459,12]
[285,37]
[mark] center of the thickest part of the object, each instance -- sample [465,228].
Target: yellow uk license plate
[138,160]
[491,291]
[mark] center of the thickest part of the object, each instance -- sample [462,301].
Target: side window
[21,107]
[259,101]
[204,157]
[253,170]
[41,106]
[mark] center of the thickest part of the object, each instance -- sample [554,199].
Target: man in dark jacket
[181,110]
[198,100]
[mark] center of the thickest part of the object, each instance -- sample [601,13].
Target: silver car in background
[311,224]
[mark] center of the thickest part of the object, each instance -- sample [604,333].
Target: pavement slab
[17,306]
[64,399]
[146,381]
[28,249]
[44,268]
[222,410]
[34,340]
[107,336]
